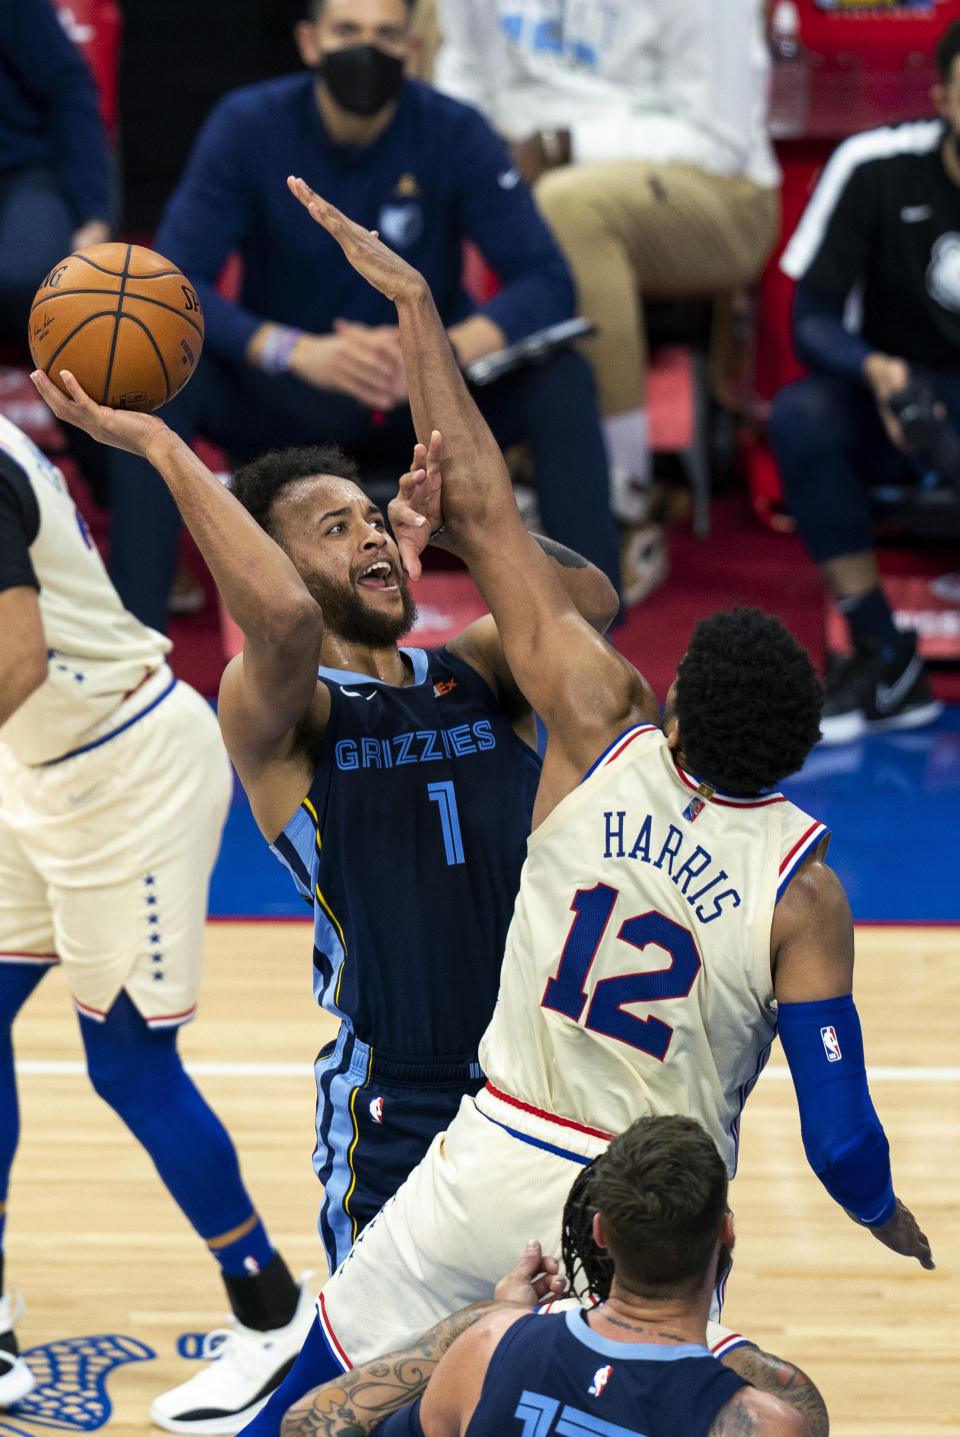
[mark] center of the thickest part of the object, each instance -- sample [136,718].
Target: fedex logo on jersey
[831,1045]
[600,1379]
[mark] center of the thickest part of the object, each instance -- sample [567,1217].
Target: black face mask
[362,78]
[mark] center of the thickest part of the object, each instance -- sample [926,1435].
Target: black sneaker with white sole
[871,693]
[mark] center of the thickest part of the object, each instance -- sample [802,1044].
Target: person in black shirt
[877,319]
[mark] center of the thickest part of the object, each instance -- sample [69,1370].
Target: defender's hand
[385,270]
[121,428]
[416,511]
[534,1279]
[901,1233]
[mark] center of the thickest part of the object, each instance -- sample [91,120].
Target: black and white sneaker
[16,1379]
[244,1366]
[866,694]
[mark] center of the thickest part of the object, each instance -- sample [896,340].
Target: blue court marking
[71,1391]
[891,801]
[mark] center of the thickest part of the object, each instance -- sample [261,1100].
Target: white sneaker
[16,1379]
[644,561]
[631,496]
[245,1366]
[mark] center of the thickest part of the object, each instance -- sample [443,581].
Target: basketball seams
[156,349]
[130,295]
[104,355]
[117,273]
[116,324]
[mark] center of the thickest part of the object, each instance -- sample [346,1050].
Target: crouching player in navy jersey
[396,786]
[647,1223]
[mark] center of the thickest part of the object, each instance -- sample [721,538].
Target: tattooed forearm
[352,1405]
[567,557]
[781,1379]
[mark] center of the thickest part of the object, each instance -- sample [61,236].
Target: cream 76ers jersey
[97,651]
[636,977]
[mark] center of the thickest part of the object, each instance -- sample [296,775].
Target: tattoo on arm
[734,1419]
[781,1379]
[567,557]
[352,1405]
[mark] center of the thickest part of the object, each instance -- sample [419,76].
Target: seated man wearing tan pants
[642,123]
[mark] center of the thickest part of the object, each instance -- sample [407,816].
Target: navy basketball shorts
[376,1118]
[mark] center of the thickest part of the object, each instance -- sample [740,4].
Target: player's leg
[630,228]
[830,446]
[129,892]
[372,1131]
[26,954]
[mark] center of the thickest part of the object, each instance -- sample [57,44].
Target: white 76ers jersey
[636,977]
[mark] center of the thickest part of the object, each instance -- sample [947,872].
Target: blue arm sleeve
[497,212]
[405,1423]
[842,1136]
[820,338]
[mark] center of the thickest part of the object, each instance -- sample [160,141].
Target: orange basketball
[123,320]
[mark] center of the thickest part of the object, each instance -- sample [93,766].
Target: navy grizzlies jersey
[554,1374]
[409,845]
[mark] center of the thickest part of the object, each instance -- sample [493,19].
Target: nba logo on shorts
[830,1045]
[600,1379]
[376,1110]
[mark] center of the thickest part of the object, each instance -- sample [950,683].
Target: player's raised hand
[534,1279]
[416,512]
[369,256]
[901,1233]
[121,428]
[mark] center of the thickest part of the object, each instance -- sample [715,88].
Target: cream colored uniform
[114,786]
[636,980]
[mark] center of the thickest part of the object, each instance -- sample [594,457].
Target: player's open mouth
[378,576]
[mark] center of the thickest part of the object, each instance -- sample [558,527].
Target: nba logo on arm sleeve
[831,1045]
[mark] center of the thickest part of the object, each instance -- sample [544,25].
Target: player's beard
[347,614]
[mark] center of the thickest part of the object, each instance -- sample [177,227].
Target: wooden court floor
[97,1247]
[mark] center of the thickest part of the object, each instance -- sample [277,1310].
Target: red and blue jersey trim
[800,851]
[619,745]
[731,800]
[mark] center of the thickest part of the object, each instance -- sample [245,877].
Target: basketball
[123,320]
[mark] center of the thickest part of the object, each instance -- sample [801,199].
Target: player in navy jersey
[397,788]
[636,1362]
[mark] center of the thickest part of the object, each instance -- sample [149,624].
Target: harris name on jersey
[668,848]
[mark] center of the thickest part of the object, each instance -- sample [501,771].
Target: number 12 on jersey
[566,993]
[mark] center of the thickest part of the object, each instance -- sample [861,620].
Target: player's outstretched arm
[262,590]
[812,955]
[584,691]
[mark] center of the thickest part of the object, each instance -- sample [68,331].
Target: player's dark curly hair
[257,483]
[747,701]
[588,1268]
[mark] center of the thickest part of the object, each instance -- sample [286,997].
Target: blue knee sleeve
[139,1073]
[842,1136]
[315,1364]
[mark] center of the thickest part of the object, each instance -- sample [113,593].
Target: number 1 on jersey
[566,993]
[443,795]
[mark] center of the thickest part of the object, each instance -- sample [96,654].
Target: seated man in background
[642,124]
[54,171]
[309,352]
[644,1355]
[882,226]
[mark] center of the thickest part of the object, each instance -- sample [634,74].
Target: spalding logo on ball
[123,320]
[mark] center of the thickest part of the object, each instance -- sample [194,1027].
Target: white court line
[69,1069]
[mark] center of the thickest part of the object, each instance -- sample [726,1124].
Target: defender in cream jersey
[114,787]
